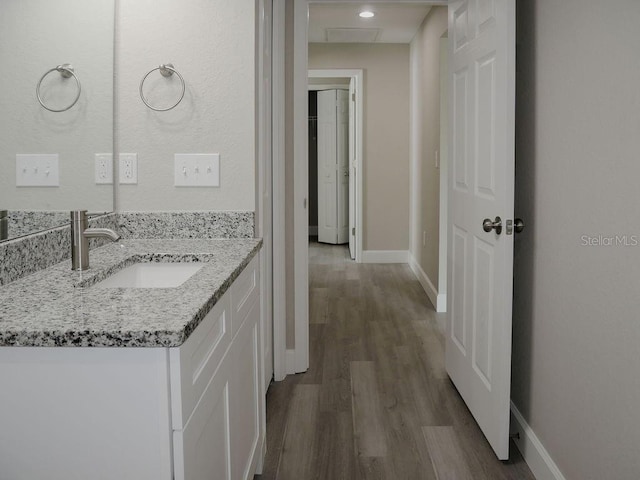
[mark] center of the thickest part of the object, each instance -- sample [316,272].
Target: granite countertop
[57,307]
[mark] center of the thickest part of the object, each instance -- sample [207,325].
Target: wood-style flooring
[376,402]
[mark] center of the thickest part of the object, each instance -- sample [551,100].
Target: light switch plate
[197,169]
[104,168]
[128,168]
[37,170]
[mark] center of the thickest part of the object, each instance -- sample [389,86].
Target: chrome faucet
[80,236]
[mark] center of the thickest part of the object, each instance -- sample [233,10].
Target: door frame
[358,76]
[297,359]
[278,181]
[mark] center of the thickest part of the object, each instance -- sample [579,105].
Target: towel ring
[66,71]
[166,70]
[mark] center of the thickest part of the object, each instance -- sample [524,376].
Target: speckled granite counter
[59,307]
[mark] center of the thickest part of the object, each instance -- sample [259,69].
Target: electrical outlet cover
[128,168]
[104,168]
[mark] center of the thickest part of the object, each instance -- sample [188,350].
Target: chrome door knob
[488,225]
[518,225]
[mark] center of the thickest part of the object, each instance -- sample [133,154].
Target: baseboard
[441,306]
[385,256]
[538,459]
[290,361]
[313,230]
[438,300]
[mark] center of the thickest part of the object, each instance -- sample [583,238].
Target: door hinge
[353,97]
[353,231]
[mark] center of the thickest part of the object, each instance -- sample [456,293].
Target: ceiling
[340,23]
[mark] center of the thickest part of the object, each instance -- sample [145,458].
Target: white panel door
[352,168]
[327,168]
[481,186]
[342,152]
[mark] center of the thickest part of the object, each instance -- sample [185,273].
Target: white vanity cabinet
[216,398]
[192,412]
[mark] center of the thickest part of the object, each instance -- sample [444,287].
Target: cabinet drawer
[244,291]
[193,363]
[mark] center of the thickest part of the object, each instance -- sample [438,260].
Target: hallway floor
[376,402]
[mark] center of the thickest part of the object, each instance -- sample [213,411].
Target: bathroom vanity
[100,382]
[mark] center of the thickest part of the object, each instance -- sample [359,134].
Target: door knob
[488,225]
[518,225]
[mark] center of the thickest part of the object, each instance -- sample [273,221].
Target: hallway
[376,402]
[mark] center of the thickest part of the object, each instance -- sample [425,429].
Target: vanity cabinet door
[194,363]
[202,450]
[247,401]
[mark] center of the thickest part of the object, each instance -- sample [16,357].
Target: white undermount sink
[151,275]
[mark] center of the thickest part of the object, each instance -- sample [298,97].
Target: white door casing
[327,167]
[481,185]
[265,185]
[342,160]
[278,187]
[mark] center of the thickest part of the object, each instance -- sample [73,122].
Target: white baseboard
[538,459]
[438,300]
[441,304]
[290,362]
[313,230]
[385,256]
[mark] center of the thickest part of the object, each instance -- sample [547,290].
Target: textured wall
[425,141]
[32,42]
[212,44]
[576,334]
[385,138]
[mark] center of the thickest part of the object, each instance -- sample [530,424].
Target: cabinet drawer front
[244,291]
[195,361]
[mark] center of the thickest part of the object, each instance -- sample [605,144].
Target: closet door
[327,167]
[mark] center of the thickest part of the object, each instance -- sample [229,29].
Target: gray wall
[576,334]
[425,141]
[212,44]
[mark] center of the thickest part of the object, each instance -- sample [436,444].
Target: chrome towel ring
[66,70]
[166,70]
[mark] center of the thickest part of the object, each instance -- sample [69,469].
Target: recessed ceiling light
[367,14]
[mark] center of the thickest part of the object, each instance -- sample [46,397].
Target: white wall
[36,36]
[385,137]
[425,142]
[212,44]
[576,334]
